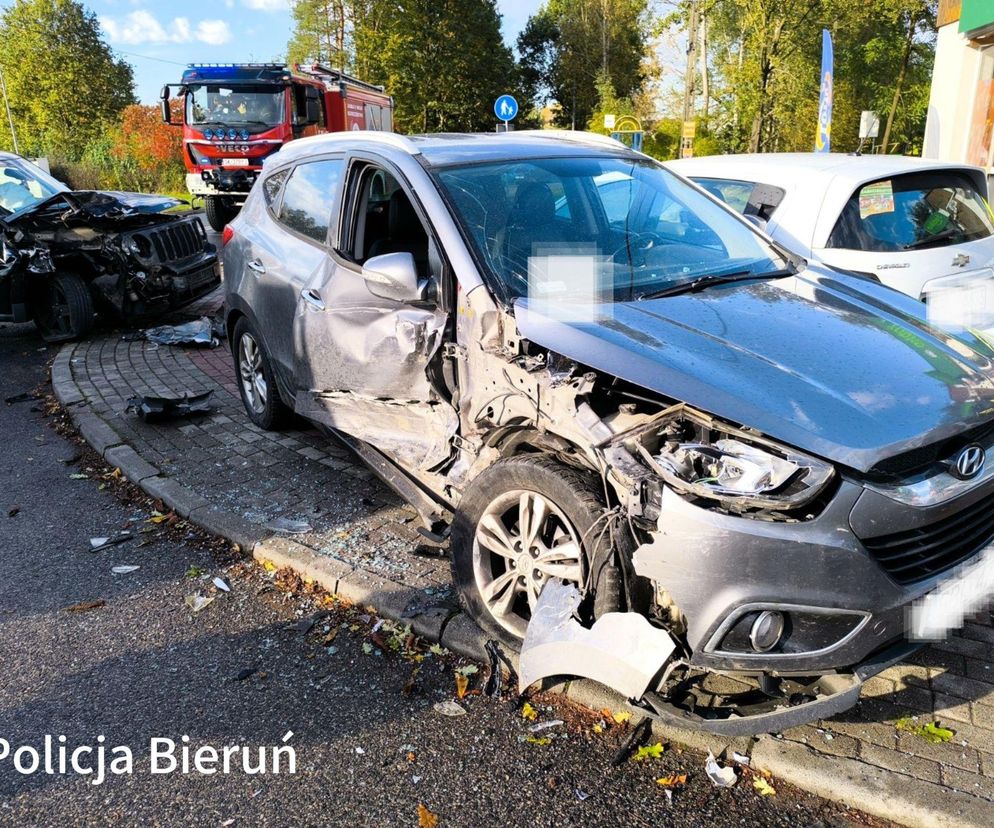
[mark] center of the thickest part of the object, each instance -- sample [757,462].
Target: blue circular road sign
[505,108]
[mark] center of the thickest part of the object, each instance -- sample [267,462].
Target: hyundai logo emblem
[969,462]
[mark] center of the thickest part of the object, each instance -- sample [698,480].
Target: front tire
[523,521]
[64,309]
[256,380]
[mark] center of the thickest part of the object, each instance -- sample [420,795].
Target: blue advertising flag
[823,142]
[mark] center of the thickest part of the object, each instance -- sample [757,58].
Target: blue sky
[159,37]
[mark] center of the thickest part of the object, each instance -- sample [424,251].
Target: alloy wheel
[250,371]
[522,540]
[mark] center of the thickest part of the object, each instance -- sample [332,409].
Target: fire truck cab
[236,115]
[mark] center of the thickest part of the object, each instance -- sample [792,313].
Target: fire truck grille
[178,241]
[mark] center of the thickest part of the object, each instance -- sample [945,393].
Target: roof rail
[580,137]
[240,65]
[336,75]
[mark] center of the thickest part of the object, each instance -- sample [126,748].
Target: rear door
[290,248]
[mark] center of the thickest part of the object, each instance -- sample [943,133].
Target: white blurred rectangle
[567,282]
[961,595]
[959,303]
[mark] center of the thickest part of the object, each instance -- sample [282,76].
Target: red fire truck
[235,115]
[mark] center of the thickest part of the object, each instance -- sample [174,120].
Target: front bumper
[717,567]
[235,182]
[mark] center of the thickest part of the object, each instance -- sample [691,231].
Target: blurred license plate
[234,162]
[967,590]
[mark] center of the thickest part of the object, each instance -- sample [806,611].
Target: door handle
[256,266]
[312,298]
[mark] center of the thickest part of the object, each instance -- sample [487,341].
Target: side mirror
[392,276]
[755,221]
[164,93]
[166,114]
[313,106]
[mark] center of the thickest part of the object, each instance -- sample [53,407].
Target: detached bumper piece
[166,408]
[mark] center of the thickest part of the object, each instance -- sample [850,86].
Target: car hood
[835,365]
[99,204]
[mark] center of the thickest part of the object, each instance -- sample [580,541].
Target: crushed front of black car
[135,260]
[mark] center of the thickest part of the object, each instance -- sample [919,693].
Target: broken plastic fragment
[124,570]
[740,758]
[621,650]
[221,585]
[721,777]
[197,602]
[161,408]
[449,708]
[197,332]
[290,526]
[537,728]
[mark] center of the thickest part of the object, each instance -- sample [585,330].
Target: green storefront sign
[976,15]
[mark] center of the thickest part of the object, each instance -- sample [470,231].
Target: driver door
[363,363]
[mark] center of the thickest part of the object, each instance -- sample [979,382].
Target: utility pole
[689,78]
[10,118]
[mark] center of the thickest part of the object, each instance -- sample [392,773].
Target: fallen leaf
[269,566]
[468,670]
[462,685]
[598,728]
[648,752]
[84,606]
[528,712]
[621,717]
[538,740]
[764,787]
[426,819]
[194,571]
[438,649]
[931,732]
[675,780]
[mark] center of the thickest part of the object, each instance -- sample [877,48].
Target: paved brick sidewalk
[363,532]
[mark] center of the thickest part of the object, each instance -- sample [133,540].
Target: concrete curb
[877,791]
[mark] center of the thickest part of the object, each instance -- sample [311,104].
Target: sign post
[506,109]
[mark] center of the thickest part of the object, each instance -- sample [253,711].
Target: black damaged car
[66,256]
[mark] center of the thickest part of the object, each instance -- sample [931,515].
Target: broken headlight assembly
[701,457]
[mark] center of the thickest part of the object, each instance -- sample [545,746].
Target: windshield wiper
[702,282]
[945,234]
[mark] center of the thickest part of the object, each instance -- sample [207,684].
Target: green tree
[568,44]
[63,82]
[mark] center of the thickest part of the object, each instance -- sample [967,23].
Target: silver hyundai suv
[665,453]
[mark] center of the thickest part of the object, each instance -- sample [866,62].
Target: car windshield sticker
[876,198]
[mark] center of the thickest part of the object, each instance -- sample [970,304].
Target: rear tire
[484,576]
[256,380]
[219,212]
[64,308]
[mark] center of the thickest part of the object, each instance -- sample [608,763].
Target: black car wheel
[256,381]
[63,310]
[523,521]
[219,211]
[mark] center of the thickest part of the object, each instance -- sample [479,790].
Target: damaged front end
[134,260]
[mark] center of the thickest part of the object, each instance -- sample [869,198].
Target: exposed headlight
[699,456]
[132,246]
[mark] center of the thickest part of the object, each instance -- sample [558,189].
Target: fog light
[767,630]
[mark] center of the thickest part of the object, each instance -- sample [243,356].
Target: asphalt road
[369,750]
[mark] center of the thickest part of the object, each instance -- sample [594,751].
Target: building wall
[955,78]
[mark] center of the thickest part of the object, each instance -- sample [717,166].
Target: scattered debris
[14,511]
[764,787]
[27,396]
[674,780]
[721,777]
[290,525]
[542,741]
[98,544]
[449,708]
[195,571]
[124,570]
[638,735]
[528,712]
[86,606]
[162,408]
[246,673]
[221,584]
[537,728]
[197,602]
[741,759]
[582,795]
[197,332]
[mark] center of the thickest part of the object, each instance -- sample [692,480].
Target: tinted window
[912,211]
[271,187]
[309,198]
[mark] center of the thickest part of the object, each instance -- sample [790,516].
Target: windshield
[244,106]
[624,229]
[912,211]
[22,185]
